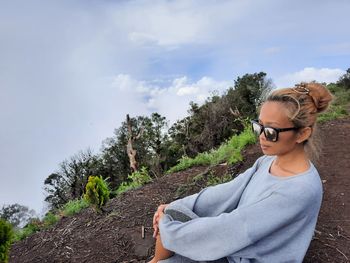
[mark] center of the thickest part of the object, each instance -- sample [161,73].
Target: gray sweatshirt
[256,217]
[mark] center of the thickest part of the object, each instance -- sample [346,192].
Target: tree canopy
[344,80]
[18,215]
[158,147]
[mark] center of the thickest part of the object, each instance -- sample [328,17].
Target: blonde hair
[303,104]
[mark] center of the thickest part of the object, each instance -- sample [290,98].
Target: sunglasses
[271,134]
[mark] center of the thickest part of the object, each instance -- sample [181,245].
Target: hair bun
[320,95]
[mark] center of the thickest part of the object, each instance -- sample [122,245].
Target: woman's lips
[264,147]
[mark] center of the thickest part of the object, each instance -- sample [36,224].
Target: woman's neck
[292,163]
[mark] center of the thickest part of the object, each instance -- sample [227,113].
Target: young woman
[266,214]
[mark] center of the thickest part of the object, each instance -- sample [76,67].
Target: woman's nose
[262,137]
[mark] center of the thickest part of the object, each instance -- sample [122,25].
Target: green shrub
[96,191]
[334,112]
[33,226]
[334,88]
[136,180]
[6,234]
[74,206]
[342,97]
[229,152]
[341,103]
[50,219]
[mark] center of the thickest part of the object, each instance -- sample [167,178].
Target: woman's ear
[304,134]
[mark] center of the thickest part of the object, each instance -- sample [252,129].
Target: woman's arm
[211,238]
[221,198]
[159,252]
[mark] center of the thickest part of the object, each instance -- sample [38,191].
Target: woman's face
[274,114]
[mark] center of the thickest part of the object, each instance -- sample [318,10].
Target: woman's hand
[156,218]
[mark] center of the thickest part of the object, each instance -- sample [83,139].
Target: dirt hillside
[117,235]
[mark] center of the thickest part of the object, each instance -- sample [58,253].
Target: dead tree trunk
[129,148]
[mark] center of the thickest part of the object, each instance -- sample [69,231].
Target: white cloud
[336,49]
[187,91]
[172,24]
[142,38]
[272,50]
[162,23]
[309,74]
[171,101]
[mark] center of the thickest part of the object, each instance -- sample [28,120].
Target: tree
[57,187]
[132,138]
[148,140]
[69,181]
[179,137]
[114,157]
[18,215]
[208,125]
[248,93]
[344,80]
[211,124]
[155,139]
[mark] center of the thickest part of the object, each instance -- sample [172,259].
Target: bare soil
[123,232]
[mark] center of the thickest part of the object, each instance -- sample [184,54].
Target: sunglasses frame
[277,130]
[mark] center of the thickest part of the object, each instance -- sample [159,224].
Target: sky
[70,70]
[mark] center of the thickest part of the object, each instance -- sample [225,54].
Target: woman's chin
[265,149]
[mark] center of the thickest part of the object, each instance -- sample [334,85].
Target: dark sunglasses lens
[270,134]
[256,128]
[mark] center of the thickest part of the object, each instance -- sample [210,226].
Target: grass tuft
[74,206]
[334,112]
[229,152]
[136,180]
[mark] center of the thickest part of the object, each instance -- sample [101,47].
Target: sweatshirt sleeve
[211,238]
[221,198]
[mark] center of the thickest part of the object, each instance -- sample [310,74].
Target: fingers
[155,224]
[161,208]
[155,227]
[155,232]
[157,216]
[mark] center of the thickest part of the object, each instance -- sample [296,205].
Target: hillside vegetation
[213,137]
[123,232]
